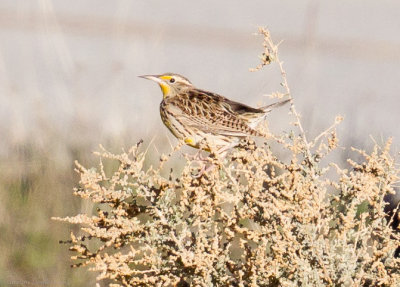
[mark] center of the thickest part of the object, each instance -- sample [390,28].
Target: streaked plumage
[203,119]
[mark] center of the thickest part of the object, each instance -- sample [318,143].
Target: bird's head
[170,84]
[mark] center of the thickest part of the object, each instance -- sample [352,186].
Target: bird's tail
[269,108]
[257,118]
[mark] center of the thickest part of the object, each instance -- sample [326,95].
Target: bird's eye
[172,80]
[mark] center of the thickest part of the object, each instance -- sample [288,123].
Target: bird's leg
[207,163]
[201,161]
[197,157]
[218,156]
[204,170]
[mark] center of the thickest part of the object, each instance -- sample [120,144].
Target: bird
[206,120]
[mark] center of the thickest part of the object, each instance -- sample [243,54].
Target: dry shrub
[252,219]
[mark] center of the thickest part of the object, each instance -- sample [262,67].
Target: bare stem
[271,54]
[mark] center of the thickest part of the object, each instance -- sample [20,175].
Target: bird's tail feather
[269,108]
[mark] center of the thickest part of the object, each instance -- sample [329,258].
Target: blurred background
[68,82]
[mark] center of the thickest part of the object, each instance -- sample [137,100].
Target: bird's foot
[197,157]
[204,170]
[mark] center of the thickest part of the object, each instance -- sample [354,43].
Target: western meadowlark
[203,119]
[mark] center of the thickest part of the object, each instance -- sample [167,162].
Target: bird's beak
[165,88]
[154,78]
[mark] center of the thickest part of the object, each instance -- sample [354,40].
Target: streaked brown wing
[245,113]
[240,108]
[210,113]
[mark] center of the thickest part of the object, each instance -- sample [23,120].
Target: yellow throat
[165,88]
